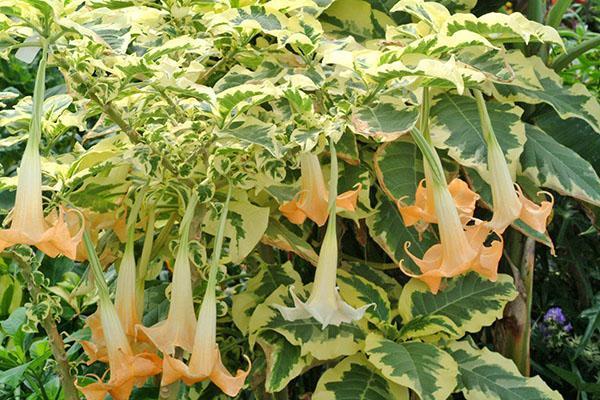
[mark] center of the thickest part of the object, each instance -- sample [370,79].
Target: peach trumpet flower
[125,301]
[509,203]
[50,234]
[460,249]
[422,212]
[312,200]
[127,369]
[205,360]
[325,303]
[179,327]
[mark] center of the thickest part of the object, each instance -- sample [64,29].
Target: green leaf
[503,28]
[258,288]
[12,377]
[550,164]
[252,131]
[362,19]
[279,236]
[385,121]
[455,125]
[424,368]
[354,378]
[575,101]
[485,375]
[393,163]
[469,301]
[284,360]
[573,133]
[592,314]
[359,292]
[388,231]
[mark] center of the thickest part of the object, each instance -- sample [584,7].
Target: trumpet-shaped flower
[205,361]
[312,201]
[460,248]
[125,301]
[179,327]
[509,201]
[422,212]
[126,368]
[28,225]
[324,303]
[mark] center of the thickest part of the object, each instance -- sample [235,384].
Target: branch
[564,60]
[56,343]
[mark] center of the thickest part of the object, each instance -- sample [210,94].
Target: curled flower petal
[312,200]
[533,215]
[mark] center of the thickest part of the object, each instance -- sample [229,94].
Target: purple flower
[555,314]
[568,327]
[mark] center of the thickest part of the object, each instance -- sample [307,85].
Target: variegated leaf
[251,131]
[575,101]
[385,121]
[279,236]
[284,360]
[432,13]
[426,369]
[469,301]
[354,378]
[573,133]
[358,292]
[250,224]
[455,125]
[258,288]
[552,165]
[399,169]
[485,375]
[362,19]
[378,278]
[501,28]
[387,229]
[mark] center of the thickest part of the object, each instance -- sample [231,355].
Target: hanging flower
[126,368]
[324,303]
[125,301]
[179,327]
[422,212]
[509,201]
[28,225]
[312,200]
[205,361]
[460,249]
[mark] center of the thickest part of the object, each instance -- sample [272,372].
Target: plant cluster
[282,187]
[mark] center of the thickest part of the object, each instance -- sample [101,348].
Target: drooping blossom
[205,360]
[28,225]
[125,301]
[324,303]
[312,201]
[127,368]
[179,327]
[509,203]
[461,248]
[422,212]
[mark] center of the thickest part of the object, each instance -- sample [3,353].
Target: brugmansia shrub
[286,186]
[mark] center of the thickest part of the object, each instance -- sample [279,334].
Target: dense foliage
[337,199]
